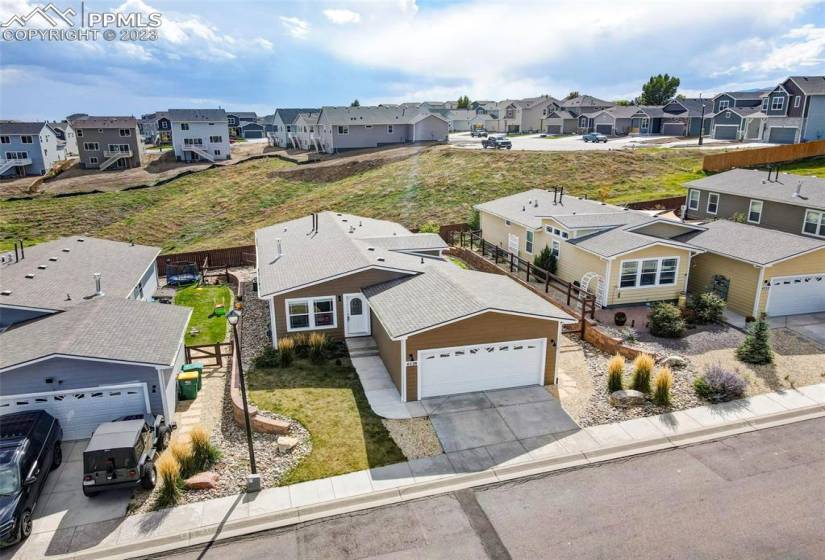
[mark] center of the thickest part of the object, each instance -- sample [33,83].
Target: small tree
[474,221]
[546,260]
[666,321]
[658,90]
[709,307]
[756,348]
[463,102]
[622,102]
[355,103]
[572,94]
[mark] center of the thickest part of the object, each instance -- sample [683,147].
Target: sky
[260,55]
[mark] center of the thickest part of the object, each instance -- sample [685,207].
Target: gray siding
[42,151]
[815,123]
[775,215]
[430,129]
[104,138]
[149,283]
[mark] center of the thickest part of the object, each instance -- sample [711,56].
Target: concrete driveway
[810,325]
[492,427]
[65,519]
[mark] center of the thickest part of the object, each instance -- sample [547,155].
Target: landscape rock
[675,362]
[286,443]
[202,481]
[627,397]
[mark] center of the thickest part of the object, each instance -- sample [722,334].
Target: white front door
[356,315]
[792,295]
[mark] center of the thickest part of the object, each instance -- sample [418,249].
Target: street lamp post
[253,481]
[702,120]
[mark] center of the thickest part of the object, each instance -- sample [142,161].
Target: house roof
[743,111]
[121,266]
[310,117]
[744,95]
[413,242]
[103,122]
[694,106]
[619,240]
[105,328]
[559,114]
[754,184]
[14,127]
[197,115]
[445,293]
[288,116]
[244,114]
[339,247]
[622,111]
[749,243]
[810,85]
[584,101]
[251,123]
[652,111]
[370,115]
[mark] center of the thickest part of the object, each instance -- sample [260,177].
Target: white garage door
[81,411]
[447,371]
[792,295]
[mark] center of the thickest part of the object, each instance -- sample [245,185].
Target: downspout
[404,369]
[272,320]
[758,297]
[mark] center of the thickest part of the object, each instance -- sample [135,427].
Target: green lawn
[329,401]
[202,300]
[459,263]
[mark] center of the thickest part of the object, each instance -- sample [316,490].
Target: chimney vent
[98,287]
[798,192]
[278,249]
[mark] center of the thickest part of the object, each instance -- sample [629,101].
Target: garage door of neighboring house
[80,411]
[553,129]
[725,131]
[673,129]
[463,369]
[782,135]
[791,295]
[604,128]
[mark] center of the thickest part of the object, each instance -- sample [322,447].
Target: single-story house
[613,121]
[439,329]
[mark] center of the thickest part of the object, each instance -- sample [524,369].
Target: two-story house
[109,142]
[282,122]
[306,131]
[156,128]
[65,135]
[236,119]
[200,134]
[738,115]
[27,148]
[795,110]
[687,117]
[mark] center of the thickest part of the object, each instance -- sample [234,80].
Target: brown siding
[390,351]
[346,285]
[481,329]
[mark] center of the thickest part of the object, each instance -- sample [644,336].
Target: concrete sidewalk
[246,513]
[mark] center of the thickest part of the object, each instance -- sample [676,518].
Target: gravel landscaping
[415,437]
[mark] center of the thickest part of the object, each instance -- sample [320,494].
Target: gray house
[236,119]
[730,99]
[558,121]
[795,110]
[687,117]
[790,203]
[249,129]
[738,123]
[28,148]
[156,128]
[109,142]
[282,125]
[351,128]
[80,338]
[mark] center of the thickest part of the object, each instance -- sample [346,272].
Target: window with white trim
[215,139]
[26,139]
[555,248]
[724,104]
[693,199]
[727,114]
[796,101]
[755,211]
[557,232]
[80,133]
[91,146]
[777,103]
[713,203]
[814,223]
[310,313]
[93,160]
[5,140]
[342,129]
[124,132]
[528,243]
[765,104]
[646,273]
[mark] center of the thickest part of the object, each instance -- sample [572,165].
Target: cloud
[341,17]
[296,27]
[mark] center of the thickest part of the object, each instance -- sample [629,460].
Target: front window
[343,130]
[713,203]
[528,245]
[26,139]
[5,140]
[755,212]
[693,200]
[125,132]
[555,248]
[777,103]
[311,313]
[648,272]
[630,271]
[724,104]
[648,275]
[765,104]
[91,146]
[184,126]
[814,223]
[9,479]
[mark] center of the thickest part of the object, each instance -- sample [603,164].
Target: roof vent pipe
[278,249]
[561,194]
[16,256]
[798,192]
[22,252]
[98,288]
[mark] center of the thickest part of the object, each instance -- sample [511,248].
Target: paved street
[756,495]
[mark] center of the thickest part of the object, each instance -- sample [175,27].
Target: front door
[356,315]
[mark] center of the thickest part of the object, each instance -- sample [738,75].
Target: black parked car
[121,454]
[29,450]
[497,142]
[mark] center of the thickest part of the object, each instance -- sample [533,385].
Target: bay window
[310,313]
[647,273]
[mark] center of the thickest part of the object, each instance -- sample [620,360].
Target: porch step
[362,347]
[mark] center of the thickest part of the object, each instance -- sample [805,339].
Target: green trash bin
[195,367]
[188,385]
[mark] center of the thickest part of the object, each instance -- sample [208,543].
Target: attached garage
[726,132]
[604,129]
[782,135]
[553,129]
[673,129]
[792,295]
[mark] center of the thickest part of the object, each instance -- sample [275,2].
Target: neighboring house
[305,131]
[282,122]
[738,123]
[558,121]
[28,148]
[795,110]
[78,342]
[65,134]
[236,119]
[268,122]
[460,120]
[108,142]
[439,329]
[200,134]
[251,130]
[614,121]
[156,128]
[621,256]
[351,128]
[758,270]
[524,115]
[731,99]
[790,203]
[687,117]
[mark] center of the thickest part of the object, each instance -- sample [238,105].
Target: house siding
[815,121]
[389,350]
[103,139]
[775,215]
[805,264]
[42,151]
[203,131]
[482,329]
[625,296]
[743,279]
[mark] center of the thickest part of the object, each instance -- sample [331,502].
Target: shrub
[204,454]
[756,348]
[301,341]
[666,321]
[708,308]
[318,343]
[181,450]
[546,259]
[474,220]
[169,477]
[719,384]
[642,369]
[269,358]
[286,351]
[661,387]
[429,227]
[615,370]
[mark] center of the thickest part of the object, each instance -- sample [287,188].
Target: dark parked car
[29,450]
[121,454]
[497,142]
[594,137]
[478,133]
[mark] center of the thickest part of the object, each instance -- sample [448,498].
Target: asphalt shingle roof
[244,114]
[584,101]
[121,265]
[754,184]
[103,122]
[13,127]
[810,85]
[369,115]
[288,116]
[415,241]
[107,328]
[620,240]
[445,293]
[197,115]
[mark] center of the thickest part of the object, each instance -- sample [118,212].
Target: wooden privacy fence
[206,352]
[763,156]
[211,258]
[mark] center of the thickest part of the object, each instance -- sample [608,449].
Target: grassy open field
[224,206]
